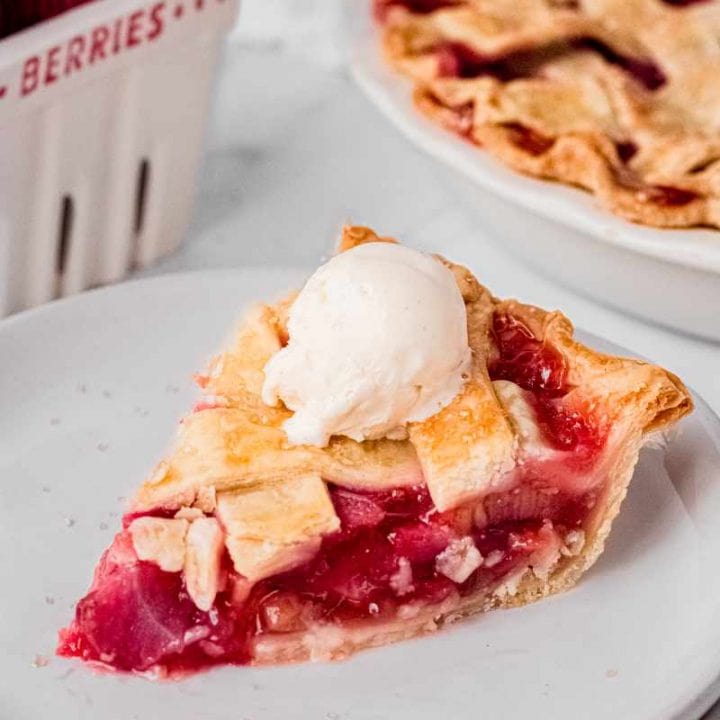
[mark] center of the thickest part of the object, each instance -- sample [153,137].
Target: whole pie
[619,97]
[243,547]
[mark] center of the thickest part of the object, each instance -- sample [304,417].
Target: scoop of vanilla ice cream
[377,339]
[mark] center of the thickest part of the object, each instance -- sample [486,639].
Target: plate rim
[131,282]
[701,695]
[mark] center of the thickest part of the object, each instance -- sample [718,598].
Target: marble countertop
[295,151]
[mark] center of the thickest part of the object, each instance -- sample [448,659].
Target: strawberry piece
[523,503]
[567,429]
[435,589]
[356,510]
[421,542]
[356,572]
[525,360]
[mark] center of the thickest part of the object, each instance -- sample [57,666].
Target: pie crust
[618,97]
[234,508]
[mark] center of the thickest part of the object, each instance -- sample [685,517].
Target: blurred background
[294,149]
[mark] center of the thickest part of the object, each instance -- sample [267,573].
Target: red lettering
[53,63]
[117,27]
[73,61]
[30,75]
[157,20]
[134,28]
[98,43]
[102,41]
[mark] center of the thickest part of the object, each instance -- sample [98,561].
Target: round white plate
[91,390]
[560,230]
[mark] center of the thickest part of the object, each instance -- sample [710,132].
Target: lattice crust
[619,97]
[271,504]
[235,452]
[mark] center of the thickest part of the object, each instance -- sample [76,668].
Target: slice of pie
[618,97]
[243,547]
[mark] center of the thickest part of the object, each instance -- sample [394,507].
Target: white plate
[91,389]
[560,230]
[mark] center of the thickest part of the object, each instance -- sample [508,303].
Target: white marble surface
[295,151]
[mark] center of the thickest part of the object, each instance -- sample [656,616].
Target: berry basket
[102,112]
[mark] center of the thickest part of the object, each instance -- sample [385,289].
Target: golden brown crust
[229,448]
[469,444]
[355,235]
[567,101]
[652,396]
[273,528]
[238,448]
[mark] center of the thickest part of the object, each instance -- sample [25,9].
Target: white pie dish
[92,387]
[671,277]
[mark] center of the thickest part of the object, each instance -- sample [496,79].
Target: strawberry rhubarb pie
[386,451]
[615,96]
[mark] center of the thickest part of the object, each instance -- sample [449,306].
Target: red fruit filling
[664,195]
[381,8]
[525,360]
[205,405]
[644,70]
[137,617]
[527,139]
[385,555]
[626,150]
[456,59]
[536,366]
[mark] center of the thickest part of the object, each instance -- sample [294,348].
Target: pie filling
[394,555]
[420,7]
[456,59]
[423,7]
